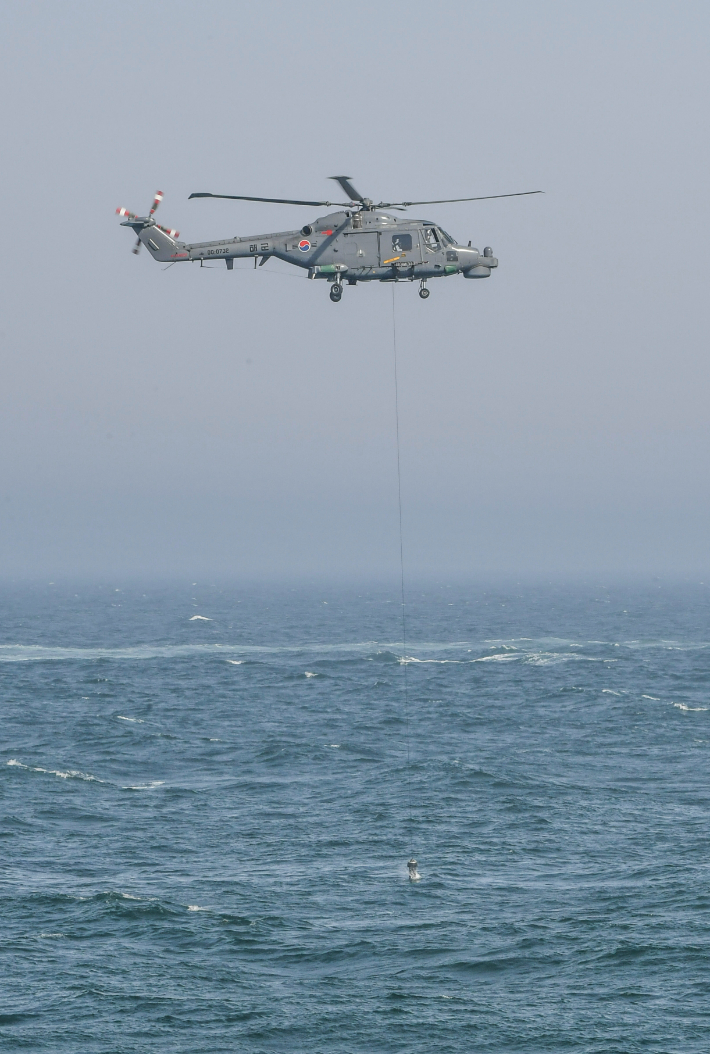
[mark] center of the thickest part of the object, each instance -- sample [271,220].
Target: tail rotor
[130,219]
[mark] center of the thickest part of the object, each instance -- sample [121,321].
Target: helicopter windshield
[448,240]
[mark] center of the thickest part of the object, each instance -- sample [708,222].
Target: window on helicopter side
[401,243]
[431,239]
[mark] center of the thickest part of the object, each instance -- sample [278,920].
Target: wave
[143,652]
[86,777]
[540,651]
[139,652]
[404,660]
[70,774]
[129,905]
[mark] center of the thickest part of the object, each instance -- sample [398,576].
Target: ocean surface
[207,810]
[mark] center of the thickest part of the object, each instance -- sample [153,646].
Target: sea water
[210,793]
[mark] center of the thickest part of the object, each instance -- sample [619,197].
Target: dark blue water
[206,823]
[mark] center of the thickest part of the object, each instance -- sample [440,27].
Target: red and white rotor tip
[156,201]
[126,212]
[168,231]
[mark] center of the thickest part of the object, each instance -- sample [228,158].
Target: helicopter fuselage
[345,246]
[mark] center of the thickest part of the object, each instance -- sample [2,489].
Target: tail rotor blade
[156,201]
[137,247]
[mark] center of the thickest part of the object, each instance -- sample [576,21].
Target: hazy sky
[554,418]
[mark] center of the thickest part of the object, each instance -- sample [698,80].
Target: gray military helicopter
[359,243]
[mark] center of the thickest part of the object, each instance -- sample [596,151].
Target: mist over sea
[207,813]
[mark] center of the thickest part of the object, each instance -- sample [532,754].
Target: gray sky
[554,418]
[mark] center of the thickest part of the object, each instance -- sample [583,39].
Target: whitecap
[309,673]
[194,907]
[608,691]
[691,709]
[135,720]
[235,662]
[653,697]
[199,618]
[145,786]
[438,662]
[70,774]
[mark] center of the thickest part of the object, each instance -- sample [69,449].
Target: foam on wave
[70,774]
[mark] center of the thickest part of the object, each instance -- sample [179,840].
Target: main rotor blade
[275,201]
[347,187]
[447,201]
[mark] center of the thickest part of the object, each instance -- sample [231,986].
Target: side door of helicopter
[400,249]
[358,249]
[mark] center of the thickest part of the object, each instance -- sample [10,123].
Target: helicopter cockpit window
[431,239]
[448,240]
[401,243]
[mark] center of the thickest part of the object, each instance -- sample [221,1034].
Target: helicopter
[361,242]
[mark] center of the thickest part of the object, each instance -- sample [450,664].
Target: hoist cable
[401,569]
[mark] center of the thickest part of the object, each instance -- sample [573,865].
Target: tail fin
[161,241]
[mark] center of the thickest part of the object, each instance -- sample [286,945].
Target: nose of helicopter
[475,264]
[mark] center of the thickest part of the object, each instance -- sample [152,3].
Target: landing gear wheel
[336,291]
[424,292]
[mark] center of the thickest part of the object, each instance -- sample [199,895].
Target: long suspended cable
[412,865]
